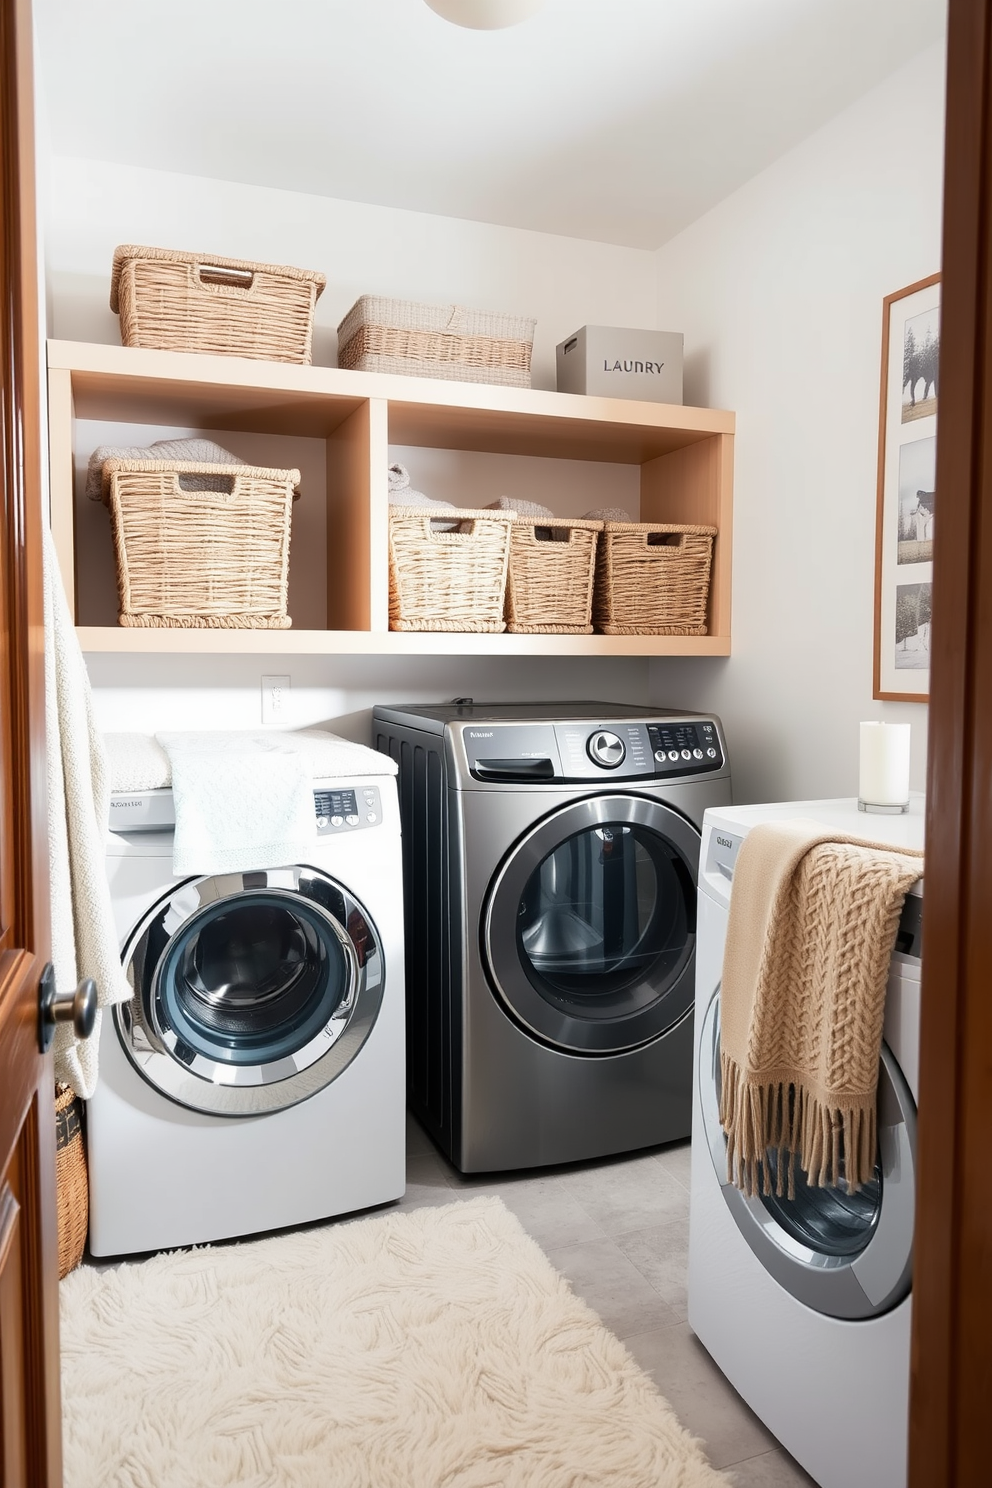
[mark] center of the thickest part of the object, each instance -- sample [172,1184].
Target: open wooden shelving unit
[685,457]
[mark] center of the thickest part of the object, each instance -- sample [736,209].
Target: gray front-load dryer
[550,862]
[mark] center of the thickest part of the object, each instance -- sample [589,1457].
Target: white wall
[564,282]
[779,292]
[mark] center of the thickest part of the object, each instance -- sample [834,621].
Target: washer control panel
[588,750]
[347,810]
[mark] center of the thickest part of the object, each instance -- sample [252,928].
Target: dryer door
[252,991]
[589,927]
[844,1255]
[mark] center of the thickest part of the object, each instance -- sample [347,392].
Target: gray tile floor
[618,1230]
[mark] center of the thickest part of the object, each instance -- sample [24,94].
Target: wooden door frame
[951,1391]
[27,1131]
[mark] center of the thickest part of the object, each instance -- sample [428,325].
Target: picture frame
[905,501]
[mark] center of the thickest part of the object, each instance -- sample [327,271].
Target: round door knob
[77,1008]
[606,749]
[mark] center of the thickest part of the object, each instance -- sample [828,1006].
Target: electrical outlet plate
[275,699]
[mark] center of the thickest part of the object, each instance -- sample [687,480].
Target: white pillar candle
[883,777]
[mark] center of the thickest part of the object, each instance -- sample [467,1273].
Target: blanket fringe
[833,1145]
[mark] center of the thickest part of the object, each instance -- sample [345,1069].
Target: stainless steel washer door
[843,1255]
[589,927]
[252,991]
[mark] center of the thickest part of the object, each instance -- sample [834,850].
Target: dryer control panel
[607,749]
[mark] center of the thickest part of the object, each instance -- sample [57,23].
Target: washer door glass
[847,1255]
[251,991]
[589,927]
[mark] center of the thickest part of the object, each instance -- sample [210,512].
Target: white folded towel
[243,801]
[136,762]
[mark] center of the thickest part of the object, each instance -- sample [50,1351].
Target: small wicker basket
[215,558]
[549,582]
[177,301]
[446,341]
[652,578]
[445,577]
[71,1181]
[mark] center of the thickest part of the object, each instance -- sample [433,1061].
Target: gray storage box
[611,362]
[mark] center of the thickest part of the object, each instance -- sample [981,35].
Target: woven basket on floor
[215,559]
[447,341]
[652,578]
[71,1182]
[227,306]
[447,579]
[549,582]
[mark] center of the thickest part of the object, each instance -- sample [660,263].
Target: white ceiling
[616,120]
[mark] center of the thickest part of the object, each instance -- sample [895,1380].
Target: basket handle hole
[665,539]
[552,534]
[224,484]
[228,278]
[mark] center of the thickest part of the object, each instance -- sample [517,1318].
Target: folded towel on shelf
[84,939]
[244,799]
[811,929]
[607,514]
[203,450]
[521,508]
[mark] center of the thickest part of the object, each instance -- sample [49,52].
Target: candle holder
[883,780]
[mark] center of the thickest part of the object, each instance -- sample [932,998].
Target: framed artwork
[904,519]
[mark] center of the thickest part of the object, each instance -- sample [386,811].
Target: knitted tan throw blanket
[812,925]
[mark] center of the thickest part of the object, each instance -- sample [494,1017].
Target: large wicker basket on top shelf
[214,558]
[549,583]
[176,301]
[652,578]
[447,570]
[446,341]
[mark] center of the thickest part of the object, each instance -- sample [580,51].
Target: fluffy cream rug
[430,1349]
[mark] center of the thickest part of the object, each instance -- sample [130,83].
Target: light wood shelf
[685,457]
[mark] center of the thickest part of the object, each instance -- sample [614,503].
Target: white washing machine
[256,1080]
[805,1304]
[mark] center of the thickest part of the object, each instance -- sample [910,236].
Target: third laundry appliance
[804,1303]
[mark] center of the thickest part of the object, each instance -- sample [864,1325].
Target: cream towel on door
[812,924]
[84,939]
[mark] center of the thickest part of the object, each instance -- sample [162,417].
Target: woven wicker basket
[549,582]
[652,578]
[446,341]
[215,558]
[71,1182]
[228,306]
[447,579]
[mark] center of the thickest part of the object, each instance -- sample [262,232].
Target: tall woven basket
[215,558]
[549,583]
[653,578]
[447,574]
[177,301]
[72,1183]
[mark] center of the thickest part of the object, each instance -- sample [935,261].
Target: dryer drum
[589,928]
[251,991]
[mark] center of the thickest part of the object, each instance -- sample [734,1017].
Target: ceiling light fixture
[485,15]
